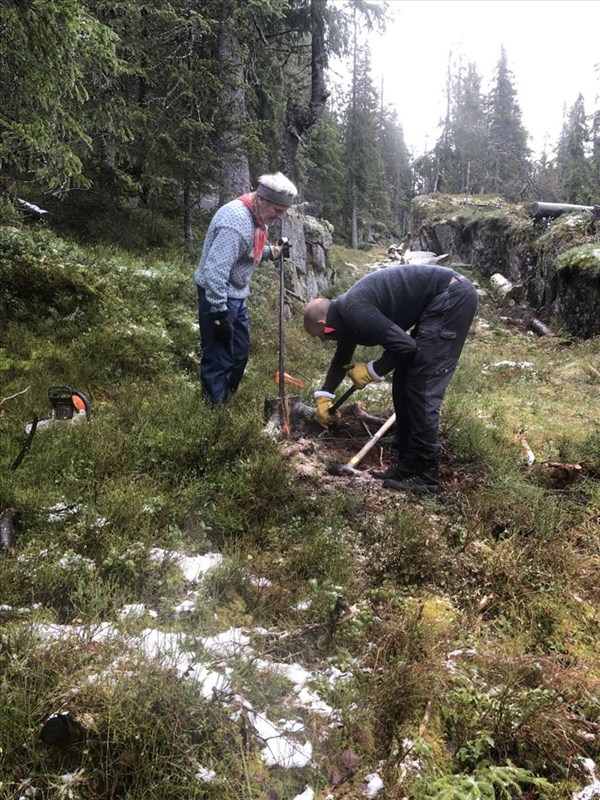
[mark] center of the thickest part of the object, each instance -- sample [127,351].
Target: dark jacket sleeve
[374,328]
[336,372]
[398,346]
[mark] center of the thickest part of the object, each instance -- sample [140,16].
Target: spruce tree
[397,169]
[54,55]
[153,123]
[575,170]
[367,198]
[508,157]
[458,163]
[595,157]
[545,180]
[325,172]
[470,133]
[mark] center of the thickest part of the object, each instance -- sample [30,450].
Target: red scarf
[260,233]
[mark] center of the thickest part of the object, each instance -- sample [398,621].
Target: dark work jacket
[379,310]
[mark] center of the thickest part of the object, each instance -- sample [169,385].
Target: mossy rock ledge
[309,271]
[557,261]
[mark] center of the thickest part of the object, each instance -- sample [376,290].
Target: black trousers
[419,384]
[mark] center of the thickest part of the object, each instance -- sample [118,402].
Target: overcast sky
[551,46]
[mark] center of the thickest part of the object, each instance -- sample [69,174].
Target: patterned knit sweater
[226,265]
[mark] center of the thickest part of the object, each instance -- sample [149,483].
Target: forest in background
[109,104]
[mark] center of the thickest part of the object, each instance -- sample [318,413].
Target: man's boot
[397,470]
[424,480]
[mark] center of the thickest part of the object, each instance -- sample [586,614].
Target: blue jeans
[222,364]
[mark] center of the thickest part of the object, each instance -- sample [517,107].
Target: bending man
[437,306]
[235,243]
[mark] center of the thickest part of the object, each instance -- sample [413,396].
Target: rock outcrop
[308,273]
[556,260]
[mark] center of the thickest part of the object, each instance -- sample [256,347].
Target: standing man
[437,305]
[236,241]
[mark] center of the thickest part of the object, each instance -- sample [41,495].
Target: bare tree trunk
[354,217]
[187,214]
[235,172]
[352,165]
[107,158]
[300,119]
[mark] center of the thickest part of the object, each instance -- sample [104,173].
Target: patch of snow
[165,647]
[295,673]
[409,766]
[188,604]
[334,675]
[307,794]
[372,785]
[283,743]
[229,643]
[253,580]
[209,681]
[291,725]
[71,777]
[136,610]
[4,607]
[205,775]
[74,559]
[465,651]
[589,765]
[311,700]
[593,790]
[523,365]
[278,749]
[93,633]
[111,675]
[61,511]
[303,605]
[590,792]
[193,567]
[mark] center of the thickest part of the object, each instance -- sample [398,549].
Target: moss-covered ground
[446,647]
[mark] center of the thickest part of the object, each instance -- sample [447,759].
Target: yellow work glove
[362,375]
[359,375]
[324,401]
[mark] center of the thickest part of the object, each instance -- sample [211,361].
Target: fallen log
[31,209]
[505,289]
[541,210]
[537,326]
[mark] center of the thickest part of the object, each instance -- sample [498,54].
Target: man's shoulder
[231,213]
[405,273]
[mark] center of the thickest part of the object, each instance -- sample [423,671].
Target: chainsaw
[67,402]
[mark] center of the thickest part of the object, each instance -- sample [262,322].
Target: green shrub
[487,783]
[42,276]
